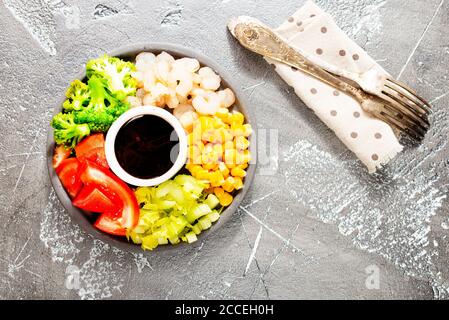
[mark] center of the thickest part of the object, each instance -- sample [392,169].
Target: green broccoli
[77,96]
[115,73]
[94,106]
[66,131]
[103,108]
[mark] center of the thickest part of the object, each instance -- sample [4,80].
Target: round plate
[85,219]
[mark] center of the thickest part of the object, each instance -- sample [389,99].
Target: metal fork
[388,100]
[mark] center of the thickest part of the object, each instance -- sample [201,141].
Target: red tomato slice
[91,198]
[61,153]
[92,148]
[114,188]
[110,225]
[68,173]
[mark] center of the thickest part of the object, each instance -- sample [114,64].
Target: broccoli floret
[77,96]
[115,73]
[103,108]
[67,131]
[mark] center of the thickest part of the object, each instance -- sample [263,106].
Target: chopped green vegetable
[115,73]
[102,109]
[67,131]
[191,237]
[212,201]
[176,210]
[97,104]
[77,96]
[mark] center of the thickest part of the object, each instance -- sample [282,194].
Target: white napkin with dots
[315,33]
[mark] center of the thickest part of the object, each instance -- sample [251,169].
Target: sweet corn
[247,156]
[202,175]
[223,169]
[228,135]
[229,145]
[238,183]
[237,118]
[218,152]
[230,156]
[247,130]
[206,123]
[238,130]
[241,143]
[228,185]
[209,190]
[238,172]
[219,192]
[216,179]
[225,199]
[194,168]
[210,166]
[243,166]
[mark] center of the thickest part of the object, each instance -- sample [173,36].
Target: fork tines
[405,110]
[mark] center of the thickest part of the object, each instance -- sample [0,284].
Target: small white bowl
[122,120]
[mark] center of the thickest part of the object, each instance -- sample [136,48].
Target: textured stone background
[310,230]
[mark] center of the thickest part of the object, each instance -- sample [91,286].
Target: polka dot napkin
[315,33]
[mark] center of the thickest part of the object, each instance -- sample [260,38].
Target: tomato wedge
[92,148]
[110,224]
[61,153]
[68,173]
[91,198]
[113,187]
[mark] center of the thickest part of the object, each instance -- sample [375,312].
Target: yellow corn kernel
[209,190]
[238,130]
[242,157]
[227,118]
[243,166]
[203,175]
[218,149]
[222,135]
[247,156]
[219,192]
[238,183]
[230,156]
[247,130]
[216,178]
[228,135]
[210,166]
[218,123]
[219,136]
[238,172]
[194,155]
[206,123]
[241,143]
[190,139]
[228,185]
[229,145]
[223,169]
[194,168]
[237,118]
[209,156]
[196,131]
[225,199]
[231,165]
[208,135]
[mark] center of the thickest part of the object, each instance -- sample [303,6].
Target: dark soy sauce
[143,146]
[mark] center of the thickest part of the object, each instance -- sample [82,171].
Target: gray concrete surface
[315,228]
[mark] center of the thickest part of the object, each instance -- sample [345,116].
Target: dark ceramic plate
[85,219]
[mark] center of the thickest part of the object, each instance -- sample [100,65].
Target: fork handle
[262,40]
